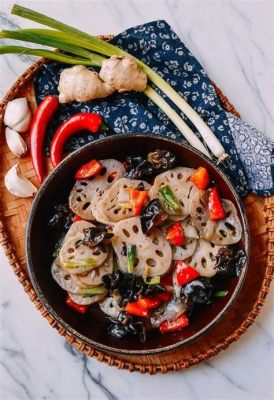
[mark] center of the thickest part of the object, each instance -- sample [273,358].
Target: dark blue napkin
[250,153]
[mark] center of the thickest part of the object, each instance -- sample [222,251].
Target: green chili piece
[88,262]
[155,280]
[87,292]
[221,293]
[168,198]
[131,257]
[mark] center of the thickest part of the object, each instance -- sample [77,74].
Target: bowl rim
[69,328]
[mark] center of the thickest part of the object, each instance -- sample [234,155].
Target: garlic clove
[18,115]
[24,125]
[17,184]
[15,142]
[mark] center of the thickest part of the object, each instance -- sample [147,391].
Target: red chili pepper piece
[135,309]
[138,199]
[78,122]
[148,303]
[200,178]
[175,234]
[88,170]
[77,218]
[215,207]
[77,307]
[164,297]
[174,325]
[185,273]
[38,128]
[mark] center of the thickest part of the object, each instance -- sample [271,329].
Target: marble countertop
[234,42]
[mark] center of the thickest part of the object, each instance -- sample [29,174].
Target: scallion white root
[177,120]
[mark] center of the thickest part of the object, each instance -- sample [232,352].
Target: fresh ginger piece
[80,84]
[123,74]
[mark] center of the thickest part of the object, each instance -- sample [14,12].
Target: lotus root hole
[67,277]
[203,261]
[79,190]
[136,262]
[212,245]
[211,256]
[83,183]
[151,262]
[223,233]
[112,176]
[86,205]
[155,240]
[135,229]
[159,253]
[203,223]
[70,250]
[103,171]
[126,233]
[199,210]
[179,176]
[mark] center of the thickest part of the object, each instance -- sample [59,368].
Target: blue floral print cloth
[250,153]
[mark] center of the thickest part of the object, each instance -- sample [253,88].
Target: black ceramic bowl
[91,327]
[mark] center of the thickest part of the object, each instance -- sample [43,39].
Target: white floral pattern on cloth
[256,153]
[158,46]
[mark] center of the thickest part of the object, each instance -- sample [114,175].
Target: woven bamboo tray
[260,212]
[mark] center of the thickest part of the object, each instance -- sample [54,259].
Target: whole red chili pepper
[174,325]
[77,307]
[215,207]
[39,123]
[78,122]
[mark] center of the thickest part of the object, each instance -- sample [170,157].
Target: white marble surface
[234,41]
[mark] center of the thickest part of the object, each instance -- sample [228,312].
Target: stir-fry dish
[146,239]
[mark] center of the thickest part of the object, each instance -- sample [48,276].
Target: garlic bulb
[15,142]
[18,184]
[18,115]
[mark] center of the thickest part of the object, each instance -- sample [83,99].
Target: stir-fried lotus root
[96,209]
[226,231]
[152,251]
[94,277]
[84,190]
[181,186]
[77,258]
[204,258]
[115,201]
[66,281]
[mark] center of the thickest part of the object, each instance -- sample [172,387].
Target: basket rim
[109,358]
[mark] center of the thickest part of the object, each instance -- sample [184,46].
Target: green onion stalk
[91,49]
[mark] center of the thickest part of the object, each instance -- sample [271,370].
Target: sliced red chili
[148,303]
[76,123]
[138,199]
[89,170]
[215,207]
[175,234]
[185,273]
[77,218]
[77,307]
[174,325]
[200,178]
[38,128]
[135,309]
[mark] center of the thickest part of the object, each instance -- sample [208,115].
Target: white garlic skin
[17,184]
[15,142]
[18,115]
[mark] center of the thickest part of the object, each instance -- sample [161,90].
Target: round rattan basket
[260,213]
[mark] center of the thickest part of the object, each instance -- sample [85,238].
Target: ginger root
[80,84]
[123,74]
